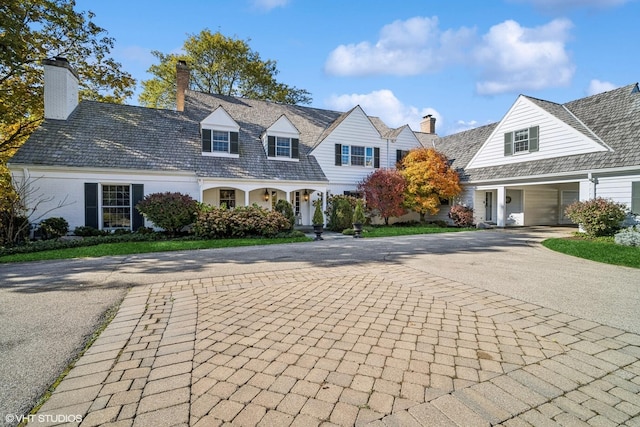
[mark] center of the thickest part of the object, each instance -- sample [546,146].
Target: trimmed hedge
[247,221]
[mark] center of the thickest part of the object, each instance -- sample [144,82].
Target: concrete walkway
[331,344]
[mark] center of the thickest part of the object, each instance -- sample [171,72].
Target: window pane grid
[521,140]
[228,198]
[283,147]
[220,141]
[116,206]
[357,156]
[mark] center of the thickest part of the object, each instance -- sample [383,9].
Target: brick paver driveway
[348,345]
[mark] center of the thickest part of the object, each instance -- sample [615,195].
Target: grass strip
[603,250]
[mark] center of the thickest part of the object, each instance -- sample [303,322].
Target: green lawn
[127,248]
[602,249]
[138,247]
[390,231]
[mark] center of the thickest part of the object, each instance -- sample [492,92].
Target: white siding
[51,188]
[357,129]
[616,188]
[556,138]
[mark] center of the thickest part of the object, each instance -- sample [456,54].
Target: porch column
[246,197]
[501,220]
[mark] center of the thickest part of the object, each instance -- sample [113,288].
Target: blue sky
[465,62]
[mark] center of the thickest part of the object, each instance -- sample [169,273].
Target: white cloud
[514,58]
[597,86]
[404,48]
[267,5]
[383,104]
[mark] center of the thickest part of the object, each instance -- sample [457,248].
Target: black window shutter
[398,156]
[233,146]
[508,144]
[376,157]
[635,197]
[206,140]
[91,204]
[534,138]
[137,194]
[338,154]
[271,146]
[295,148]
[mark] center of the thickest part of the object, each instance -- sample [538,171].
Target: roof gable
[220,119]
[561,134]
[283,127]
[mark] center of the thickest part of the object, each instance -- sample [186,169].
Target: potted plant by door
[318,219]
[358,219]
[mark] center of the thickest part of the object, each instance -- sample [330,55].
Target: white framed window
[219,142]
[355,155]
[116,207]
[521,141]
[283,147]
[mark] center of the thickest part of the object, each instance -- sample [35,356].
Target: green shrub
[340,212]
[629,236]
[597,217]
[53,228]
[169,211]
[285,208]
[219,223]
[318,218]
[85,231]
[462,216]
[358,213]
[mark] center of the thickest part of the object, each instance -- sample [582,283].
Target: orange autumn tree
[429,180]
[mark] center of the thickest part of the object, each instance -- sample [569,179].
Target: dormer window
[219,134]
[281,140]
[521,141]
[216,141]
[282,147]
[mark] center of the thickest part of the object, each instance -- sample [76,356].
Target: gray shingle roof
[613,117]
[100,135]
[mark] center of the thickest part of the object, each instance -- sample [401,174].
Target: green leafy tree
[384,192]
[219,65]
[34,30]
[429,180]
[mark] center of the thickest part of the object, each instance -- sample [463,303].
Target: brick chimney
[182,83]
[60,88]
[428,124]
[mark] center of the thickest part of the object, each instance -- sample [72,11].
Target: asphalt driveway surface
[48,309]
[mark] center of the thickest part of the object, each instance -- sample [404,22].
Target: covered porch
[525,204]
[266,195]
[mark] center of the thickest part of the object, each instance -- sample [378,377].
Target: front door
[488,206]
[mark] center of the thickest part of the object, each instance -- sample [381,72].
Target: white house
[542,156]
[524,170]
[101,159]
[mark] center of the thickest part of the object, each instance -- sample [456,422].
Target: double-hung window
[116,206]
[283,146]
[521,141]
[357,155]
[228,198]
[219,141]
